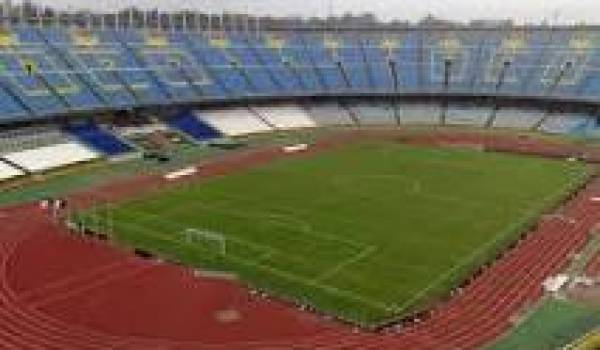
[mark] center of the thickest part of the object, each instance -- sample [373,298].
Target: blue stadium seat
[324,60]
[99,139]
[57,70]
[117,56]
[69,88]
[377,57]
[351,55]
[301,63]
[10,108]
[268,51]
[248,61]
[187,122]
[222,67]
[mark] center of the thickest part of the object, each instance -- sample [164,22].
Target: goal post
[210,239]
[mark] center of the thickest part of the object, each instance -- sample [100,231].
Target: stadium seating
[286,116]
[225,69]
[377,55]
[146,128]
[324,52]
[169,66]
[419,113]
[517,118]
[51,157]
[12,107]
[302,65]
[268,53]
[97,138]
[25,138]
[56,70]
[188,123]
[375,113]
[257,73]
[8,172]
[110,50]
[234,121]
[564,123]
[65,83]
[95,63]
[330,114]
[467,115]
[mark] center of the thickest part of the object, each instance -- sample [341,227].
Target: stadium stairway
[95,137]
[188,123]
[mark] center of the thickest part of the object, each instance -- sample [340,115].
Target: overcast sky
[567,11]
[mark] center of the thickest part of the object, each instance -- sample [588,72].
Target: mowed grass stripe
[379,221]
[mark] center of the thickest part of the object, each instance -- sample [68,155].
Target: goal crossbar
[194,235]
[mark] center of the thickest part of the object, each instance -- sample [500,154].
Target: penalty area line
[270,269]
[342,265]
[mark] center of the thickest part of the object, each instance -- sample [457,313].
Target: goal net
[210,240]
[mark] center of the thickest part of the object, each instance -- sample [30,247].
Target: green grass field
[367,232]
[553,325]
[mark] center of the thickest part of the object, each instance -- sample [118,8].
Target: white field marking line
[475,253]
[415,189]
[307,227]
[287,210]
[342,265]
[229,237]
[228,198]
[268,250]
[357,244]
[284,274]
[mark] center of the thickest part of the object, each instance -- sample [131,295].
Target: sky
[521,11]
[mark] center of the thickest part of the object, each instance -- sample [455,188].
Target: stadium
[174,178]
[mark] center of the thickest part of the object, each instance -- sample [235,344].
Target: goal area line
[270,269]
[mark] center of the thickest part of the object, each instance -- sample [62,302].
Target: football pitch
[367,232]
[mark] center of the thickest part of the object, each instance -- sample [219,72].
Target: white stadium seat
[30,137]
[517,118]
[564,123]
[8,172]
[330,114]
[419,113]
[375,113]
[234,121]
[51,157]
[467,115]
[287,116]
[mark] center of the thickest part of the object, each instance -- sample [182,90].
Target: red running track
[593,267]
[62,292]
